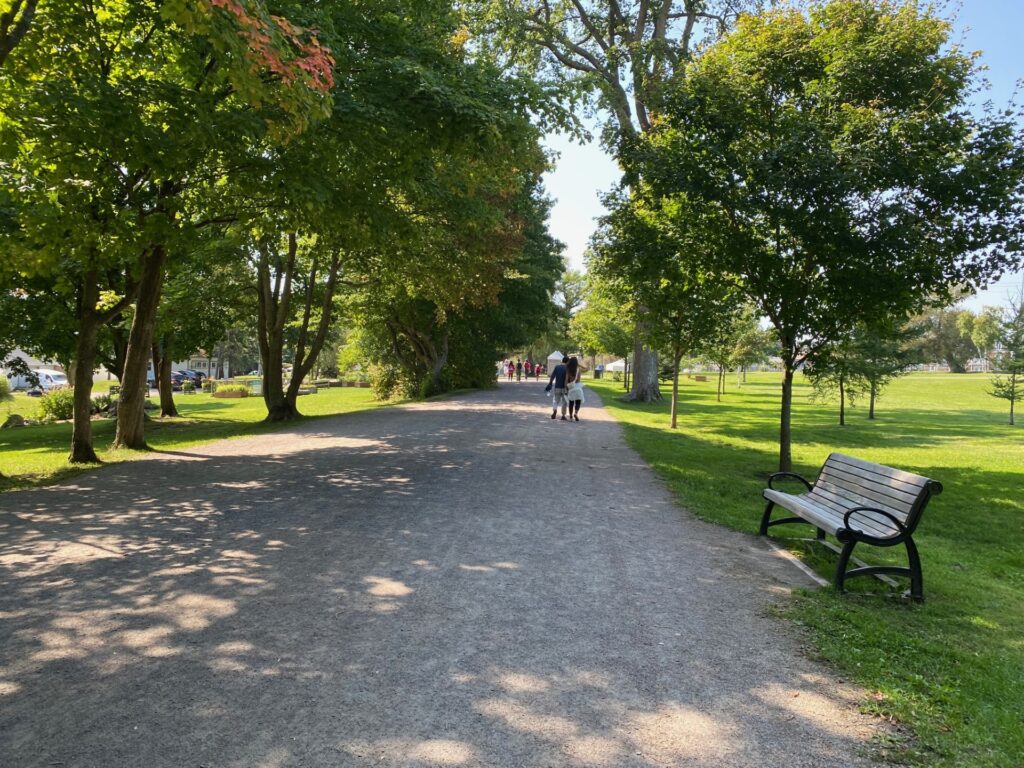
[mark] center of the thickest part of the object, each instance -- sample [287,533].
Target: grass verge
[36,455]
[953,668]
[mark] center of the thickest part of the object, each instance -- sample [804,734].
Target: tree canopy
[835,159]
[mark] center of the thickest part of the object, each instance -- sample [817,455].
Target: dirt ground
[458,583]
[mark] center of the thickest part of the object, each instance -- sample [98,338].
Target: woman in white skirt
[574,387]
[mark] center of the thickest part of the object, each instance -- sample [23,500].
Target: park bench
[857,502]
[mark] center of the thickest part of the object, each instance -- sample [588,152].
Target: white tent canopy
[617,365]
[555,358]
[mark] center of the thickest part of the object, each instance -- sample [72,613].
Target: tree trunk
[871,399]
[274,288]
[785,422]
[645,387]
[162,362]
[279,406]
[82,451]
[1013,393]
[439,363]
[842,401]
[625,373]
[131,414]
[675,389]
[119,342]
[720,384]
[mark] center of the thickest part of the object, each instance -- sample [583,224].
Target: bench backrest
[846,482]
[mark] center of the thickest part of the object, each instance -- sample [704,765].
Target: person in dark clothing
[556,386]
[519,370]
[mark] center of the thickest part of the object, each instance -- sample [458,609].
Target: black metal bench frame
[849,535]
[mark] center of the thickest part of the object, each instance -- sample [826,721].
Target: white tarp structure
[555,358]
[618,365]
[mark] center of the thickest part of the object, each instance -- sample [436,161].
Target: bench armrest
[866,537]
[792,475]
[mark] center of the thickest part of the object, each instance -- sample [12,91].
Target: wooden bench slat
[873,477]
[849,501]
[865,497]
[896,491]
[830,519]
[888,487]
[824,518]
[876,525]
[917,481]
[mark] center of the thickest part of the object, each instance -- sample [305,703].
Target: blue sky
[584,172]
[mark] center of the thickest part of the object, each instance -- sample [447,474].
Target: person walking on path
[556,386]
[519,370]
[527,368]
[574,387]
[511,370]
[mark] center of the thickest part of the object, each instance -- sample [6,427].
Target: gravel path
[457,583]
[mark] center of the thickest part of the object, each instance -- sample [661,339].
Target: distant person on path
[536,371]
[511,370]
[528,368]
[556,386]
[574,387]
[519,370]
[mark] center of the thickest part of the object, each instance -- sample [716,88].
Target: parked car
[177,377]
[196,377]
[50,379]
[43,380]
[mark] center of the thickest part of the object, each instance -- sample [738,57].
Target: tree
[14,25]
[944,335]
[985,330]
[284,275]
[689,307]
[202,297]
[1010,361]
[752,344]
[846,179]
[884,351]
[837,367]
[117,116]
[604,325]
[617,56]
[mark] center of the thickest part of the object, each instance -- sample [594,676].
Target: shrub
[207,385]
[234,388]
[187,386]
[5,389]
[100,403]
[57,405]
[392,382]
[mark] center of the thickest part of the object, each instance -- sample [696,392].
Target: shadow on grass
[978,514]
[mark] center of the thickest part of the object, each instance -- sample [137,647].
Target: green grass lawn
[951,668]
[38,454]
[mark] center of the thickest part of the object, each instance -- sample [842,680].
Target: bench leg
[916,577]
[766,517]
[913,571]
[844,560]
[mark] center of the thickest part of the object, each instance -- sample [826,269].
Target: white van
[50,379]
